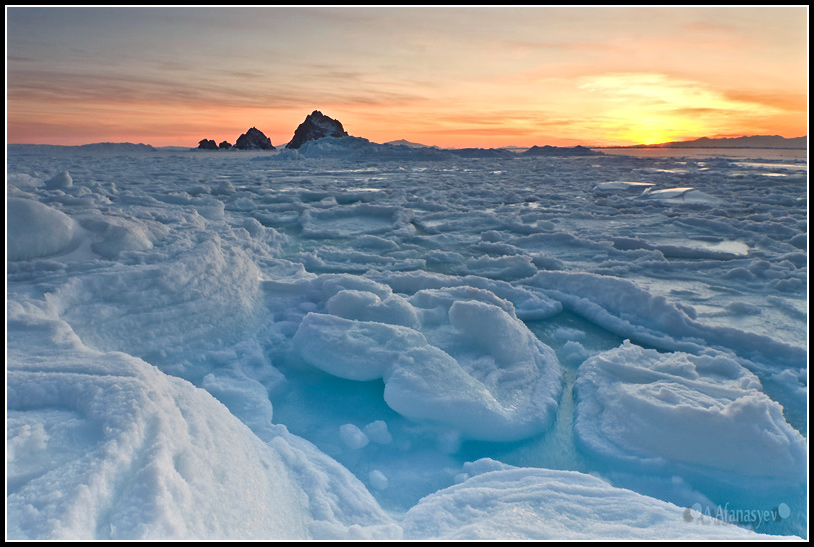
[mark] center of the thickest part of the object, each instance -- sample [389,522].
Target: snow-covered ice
[509,503]
[696,412]
[363,341]
[463,358]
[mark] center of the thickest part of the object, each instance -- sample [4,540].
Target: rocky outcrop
[316,126]
[207,144]
[253,139]
[225,145]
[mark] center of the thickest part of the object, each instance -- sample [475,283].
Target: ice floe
[705,412]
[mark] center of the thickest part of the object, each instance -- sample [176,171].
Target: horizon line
[639,145]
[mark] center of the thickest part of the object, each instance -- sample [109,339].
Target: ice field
[359,341]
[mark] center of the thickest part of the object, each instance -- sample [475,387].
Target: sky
[476,76]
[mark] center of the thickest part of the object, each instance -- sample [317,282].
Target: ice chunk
[644,407]
[542,504]
[378,433]
[61,180]
[489,328]
[353,437]
[367,306]
[471,364]
[686,195]
[429,384]
[36,230]
[528,305]
[355,350]
[574,352]
[115,236]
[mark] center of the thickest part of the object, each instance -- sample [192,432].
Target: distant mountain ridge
[754,141]
[95,147]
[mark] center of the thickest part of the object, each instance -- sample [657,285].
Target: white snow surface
[544,504]
[700,411]
[352,341]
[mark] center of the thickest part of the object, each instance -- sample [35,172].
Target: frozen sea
[359,341]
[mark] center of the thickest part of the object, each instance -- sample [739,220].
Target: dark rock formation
[205,144]
[560,151]
[253,139]
[316,126]
[225,145]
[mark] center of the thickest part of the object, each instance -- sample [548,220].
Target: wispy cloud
[663,90]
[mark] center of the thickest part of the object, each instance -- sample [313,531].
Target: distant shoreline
[645,147]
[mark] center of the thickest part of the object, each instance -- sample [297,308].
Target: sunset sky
[454,76]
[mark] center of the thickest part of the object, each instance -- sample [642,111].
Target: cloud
[229,88]
[662,90]
[777,100]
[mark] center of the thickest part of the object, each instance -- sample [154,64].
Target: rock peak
[316,126]
[253,139]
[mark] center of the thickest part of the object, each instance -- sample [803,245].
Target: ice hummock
[500,502]
[697,412]
[681,195]
[37,230]
[457,357]
[623,187]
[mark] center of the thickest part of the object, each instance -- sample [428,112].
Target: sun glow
[643,108]
[649,129]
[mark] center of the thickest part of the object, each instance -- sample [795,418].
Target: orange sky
[459,76]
